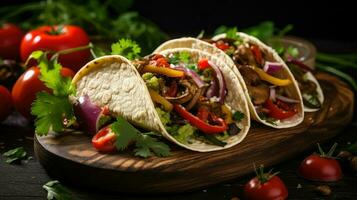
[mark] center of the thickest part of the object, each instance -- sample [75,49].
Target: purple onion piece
[299,64]
[286,99]
[221,82]
[88,114]
[272,67]
[212,89]
[195,77]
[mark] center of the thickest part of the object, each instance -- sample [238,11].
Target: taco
[270,88]
[201,110]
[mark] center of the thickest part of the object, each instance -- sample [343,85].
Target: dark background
[326,20]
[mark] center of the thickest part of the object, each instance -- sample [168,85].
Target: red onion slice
[195,77]
[272,67]
[88,114]
[221,82]
[299,64]
[212,91]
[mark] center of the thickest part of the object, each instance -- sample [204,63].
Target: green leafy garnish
[55,191]
[262,31]
[184,133]
[145,144]
[164,116]
[52,109]
[292,51]
[182,56]
[15,155]
[127,48]
[232,33]
[238,116]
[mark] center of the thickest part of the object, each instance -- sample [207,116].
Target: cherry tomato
[10,40]
[5,103]
[274,188]
[318,168]
[279,113]
[257,54]
[104,140]
[26,87]
[68,37]
[203,64]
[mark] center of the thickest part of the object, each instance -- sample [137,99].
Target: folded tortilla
[292,89]
[114,82]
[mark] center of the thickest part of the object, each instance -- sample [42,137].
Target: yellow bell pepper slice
[164,70]
[157,98]
[227,114]
[271,79]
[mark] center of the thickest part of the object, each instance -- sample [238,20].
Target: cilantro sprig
[51,109]
[145,145]
[127,48]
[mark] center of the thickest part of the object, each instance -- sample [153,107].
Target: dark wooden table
[24,182]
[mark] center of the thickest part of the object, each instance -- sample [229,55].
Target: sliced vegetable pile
[189,96]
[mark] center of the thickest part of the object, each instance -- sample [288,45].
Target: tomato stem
[263,177]
[71,50]
[56,30]
[329,153]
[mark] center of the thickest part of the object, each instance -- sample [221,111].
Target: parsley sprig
[51,109]
[127,48]
[16,154]
[57,191]
[145,145]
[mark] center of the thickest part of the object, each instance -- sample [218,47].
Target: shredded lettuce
[151,81]
[184,133]
[164,116]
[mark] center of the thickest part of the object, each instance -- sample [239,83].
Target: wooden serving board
[71,157]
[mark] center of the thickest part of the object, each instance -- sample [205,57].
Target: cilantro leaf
[145,144]
[292,51]
[56,191]
[262,31]
[125,133]
[232,33]
[238,116]
[127,48]
[50,111]
[15,154]
[182,56]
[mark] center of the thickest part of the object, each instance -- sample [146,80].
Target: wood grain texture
[71,157]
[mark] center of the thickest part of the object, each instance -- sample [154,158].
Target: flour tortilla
[114,82]
[292,89]
[320,94]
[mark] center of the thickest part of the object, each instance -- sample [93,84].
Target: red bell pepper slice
[257,54]
[200,124]
[104,140]
[222,46]
[279,113]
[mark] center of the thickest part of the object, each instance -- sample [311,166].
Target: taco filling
[309,87]
[263,76]
[189,95]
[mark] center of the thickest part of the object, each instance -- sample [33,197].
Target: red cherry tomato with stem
[265,186]
[321,167]
[27,86]
[5,103]
[57,38]
[10,40]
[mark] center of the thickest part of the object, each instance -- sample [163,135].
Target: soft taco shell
[207,47]
[113,81]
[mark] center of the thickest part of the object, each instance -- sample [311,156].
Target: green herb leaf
[50,111]
[238,116]
[184,133]
[127,48]
[125,133]
[292,51]
[182,56]
[15,154]
[232,33]
[145,145]
[55,191]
